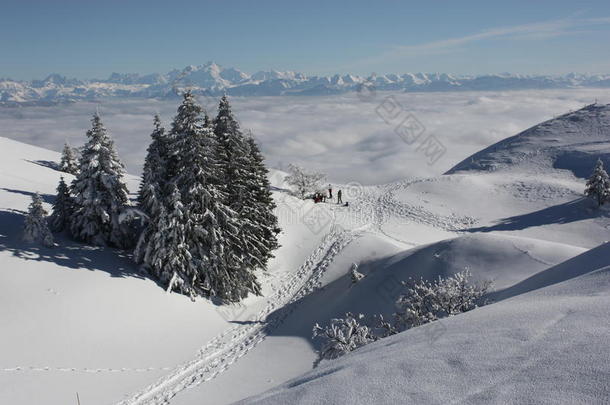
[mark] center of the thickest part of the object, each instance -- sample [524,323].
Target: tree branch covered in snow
[427,301]
[423,302]
[343,335]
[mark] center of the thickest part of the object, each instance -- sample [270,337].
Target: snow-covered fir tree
[63,208]
[232,153]
[598,185]
[265,221]
[243,178]
[69,160]
[218,245]
[167,252]
[100,194]
[154,177]
[218,263]
[36,228]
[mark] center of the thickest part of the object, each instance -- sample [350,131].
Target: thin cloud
[534,31]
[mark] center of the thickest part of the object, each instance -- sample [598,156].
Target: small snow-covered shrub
[343,336]
[423,302]
[355,274]
[427,301]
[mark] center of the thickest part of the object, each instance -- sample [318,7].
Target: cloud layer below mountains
[346,136]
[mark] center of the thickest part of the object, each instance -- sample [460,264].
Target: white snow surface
[82,319]
[546,346]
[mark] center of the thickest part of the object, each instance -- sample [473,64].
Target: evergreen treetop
[36,228]
[69,161]
[63,208]
[598,185]
[99,191]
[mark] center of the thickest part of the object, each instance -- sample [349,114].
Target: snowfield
[82,319]
[544,347]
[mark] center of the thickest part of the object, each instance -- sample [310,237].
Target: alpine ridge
[214,80]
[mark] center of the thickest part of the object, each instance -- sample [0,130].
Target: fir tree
[232,153]
[36,228]
[218,244]
[244,178]
[208,229]
[154,178]
[63,208]
[598,185]
[168,254]
[69,162]
[100,193]
[263,217]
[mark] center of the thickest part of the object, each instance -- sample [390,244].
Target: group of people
[322,197]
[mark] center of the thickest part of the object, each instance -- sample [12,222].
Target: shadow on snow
[67,253]
[572,211]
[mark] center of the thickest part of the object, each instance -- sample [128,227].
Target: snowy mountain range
[213,79]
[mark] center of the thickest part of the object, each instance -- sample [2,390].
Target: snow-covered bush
[36,228]
[598,185]
[343,335]
[427,301]
[304,182]
[423,302]
[355,274]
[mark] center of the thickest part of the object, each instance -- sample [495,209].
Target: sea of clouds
[350,137]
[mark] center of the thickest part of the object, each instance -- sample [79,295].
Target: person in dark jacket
[339,200]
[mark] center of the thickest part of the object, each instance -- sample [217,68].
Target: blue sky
[91,39]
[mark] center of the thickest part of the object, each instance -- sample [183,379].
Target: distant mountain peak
[215,79]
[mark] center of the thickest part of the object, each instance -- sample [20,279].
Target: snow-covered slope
[213,79]
[85,319]
[572,141]
[288,350]
[545,346]
[82,319]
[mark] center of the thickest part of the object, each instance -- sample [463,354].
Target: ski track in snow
[382,204]
[226,348]
[232,344]
[390,206]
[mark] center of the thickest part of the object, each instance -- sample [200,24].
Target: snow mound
[504,260]
[572,141]
[544,346]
